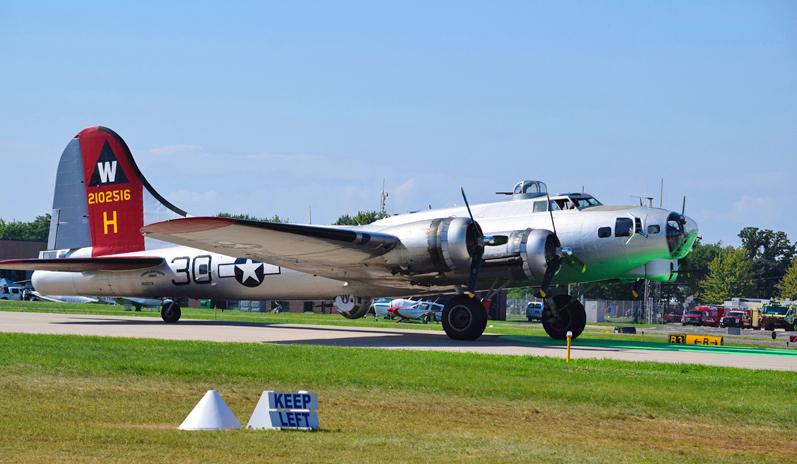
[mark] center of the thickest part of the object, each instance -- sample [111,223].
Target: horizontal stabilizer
[110,263]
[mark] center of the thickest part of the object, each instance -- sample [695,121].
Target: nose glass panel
[681,235]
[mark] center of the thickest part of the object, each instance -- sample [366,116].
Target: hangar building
[19,249]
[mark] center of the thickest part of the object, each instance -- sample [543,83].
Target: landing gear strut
[464,318]
[170,311]
[561,314]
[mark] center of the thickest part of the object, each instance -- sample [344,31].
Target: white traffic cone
[211,413]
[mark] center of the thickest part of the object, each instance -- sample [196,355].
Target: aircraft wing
[110,263]
[321,250]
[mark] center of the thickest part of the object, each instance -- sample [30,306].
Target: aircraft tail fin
[102,200]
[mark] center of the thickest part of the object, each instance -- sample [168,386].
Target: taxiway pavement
[408,339]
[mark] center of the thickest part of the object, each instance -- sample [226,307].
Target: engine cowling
[442,245]
[525,256]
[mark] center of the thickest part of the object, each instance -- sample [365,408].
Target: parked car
[11,293]
[737,318]
[534,311]
[672,317]
[693,317]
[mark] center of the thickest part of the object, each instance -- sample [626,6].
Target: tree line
[36,230]
[762,267]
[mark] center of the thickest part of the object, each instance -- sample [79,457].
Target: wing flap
[108,263]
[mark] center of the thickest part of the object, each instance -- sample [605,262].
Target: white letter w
[107,171]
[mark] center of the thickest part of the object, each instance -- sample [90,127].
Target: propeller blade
[475,268]
[476,259]
[467,205]
[550,271]
[550,212]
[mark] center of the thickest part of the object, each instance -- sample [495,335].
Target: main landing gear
[464,318]
[563,313]
[170,311]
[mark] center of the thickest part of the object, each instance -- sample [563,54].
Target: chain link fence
[616,311]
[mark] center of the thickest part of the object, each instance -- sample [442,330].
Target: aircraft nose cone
[681,234]
[690,228]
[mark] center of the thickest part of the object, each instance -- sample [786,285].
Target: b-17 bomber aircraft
[113,234]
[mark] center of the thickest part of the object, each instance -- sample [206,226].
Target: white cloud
[191,197]
[758,207]
[406,188]
[175,149]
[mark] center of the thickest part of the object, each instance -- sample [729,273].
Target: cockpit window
[587,203]
[576,202]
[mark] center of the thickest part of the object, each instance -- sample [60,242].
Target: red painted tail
[100,196]
[114,193]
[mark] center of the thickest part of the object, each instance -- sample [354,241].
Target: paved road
[220,331]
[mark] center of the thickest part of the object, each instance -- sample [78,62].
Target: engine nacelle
[442,245]
[525,255]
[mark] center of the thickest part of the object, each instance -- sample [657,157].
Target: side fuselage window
[540,206]
[623,227]
[604,232]
[654,229]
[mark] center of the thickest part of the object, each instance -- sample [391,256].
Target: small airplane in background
[136,303]
[112,234]
[405,309]
[34,295]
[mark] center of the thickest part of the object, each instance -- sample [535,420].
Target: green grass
[531,332]
[88,399]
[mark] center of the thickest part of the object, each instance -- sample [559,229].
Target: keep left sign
[285,410]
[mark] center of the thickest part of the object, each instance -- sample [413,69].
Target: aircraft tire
[464,318]
[170,312]
[566,314]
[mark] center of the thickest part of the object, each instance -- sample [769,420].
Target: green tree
[36,230]
[246,217]
[788,285]
[361,218]
[694,267]
[728,276]
[771,253]
[606,290]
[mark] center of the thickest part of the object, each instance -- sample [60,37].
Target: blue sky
[269,108]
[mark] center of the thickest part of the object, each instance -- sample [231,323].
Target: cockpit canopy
[530,189]
[526,189]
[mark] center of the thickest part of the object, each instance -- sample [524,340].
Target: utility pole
[383,200]
[661,194]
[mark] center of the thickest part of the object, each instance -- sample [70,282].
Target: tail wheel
[561,314]
[464,318]
[170,312]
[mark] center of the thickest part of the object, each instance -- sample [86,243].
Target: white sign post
[285,410]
